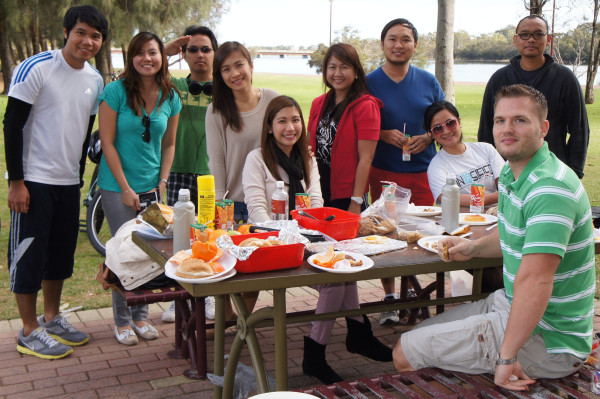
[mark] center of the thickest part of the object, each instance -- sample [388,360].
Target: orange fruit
[326,259]
[204,250]
[244,229]
[212,237]
[217,267]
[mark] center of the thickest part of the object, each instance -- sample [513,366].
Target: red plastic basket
[270,258]
[343,227]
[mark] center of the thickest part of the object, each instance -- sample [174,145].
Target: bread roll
[194,268]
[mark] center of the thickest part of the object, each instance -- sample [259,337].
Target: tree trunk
[5,57]
[444,51]
[535,6]
[35,30]
[593,59]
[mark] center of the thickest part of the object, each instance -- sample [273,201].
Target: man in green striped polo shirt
[540,324]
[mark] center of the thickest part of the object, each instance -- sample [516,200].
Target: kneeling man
[540,324]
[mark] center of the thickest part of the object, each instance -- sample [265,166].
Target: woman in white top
[470,162]
[283,155]
[233,121]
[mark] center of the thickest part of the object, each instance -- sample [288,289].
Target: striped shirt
[547,211]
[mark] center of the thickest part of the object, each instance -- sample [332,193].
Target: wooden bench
[436,383]
[190,326]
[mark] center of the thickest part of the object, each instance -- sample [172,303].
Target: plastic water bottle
[450,204]
[183,217]
[280,203]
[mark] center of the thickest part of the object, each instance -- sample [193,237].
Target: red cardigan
[360,121]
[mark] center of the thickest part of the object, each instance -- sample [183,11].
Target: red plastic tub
[343,227]
[270,258]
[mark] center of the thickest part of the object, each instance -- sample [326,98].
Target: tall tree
[444,54]
[535,6]
[594,57]
[5,56]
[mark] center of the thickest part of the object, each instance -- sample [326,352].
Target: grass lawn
[83,290]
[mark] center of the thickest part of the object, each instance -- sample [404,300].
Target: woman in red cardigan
[344,128]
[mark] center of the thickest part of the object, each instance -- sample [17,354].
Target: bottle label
[206,208]
[302,200]
[277,207]
[477,198]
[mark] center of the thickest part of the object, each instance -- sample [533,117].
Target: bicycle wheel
[96,225]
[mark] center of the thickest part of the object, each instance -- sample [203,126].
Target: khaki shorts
[467,339]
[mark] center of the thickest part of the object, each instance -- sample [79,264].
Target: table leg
[280,327]
[440,290]
[201,359]
[219,341]
[477,281]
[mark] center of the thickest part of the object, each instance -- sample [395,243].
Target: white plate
[489,219]
[421,211]
[427,242]
[227,261]
[367,263]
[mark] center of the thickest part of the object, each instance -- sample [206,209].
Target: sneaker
[39,343]
[61,330]
[126,336]
[209,307]
[147,331]
[390,316]
[168,315]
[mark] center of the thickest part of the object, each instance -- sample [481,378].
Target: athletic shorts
[42,242]
[417,183]
[468,337]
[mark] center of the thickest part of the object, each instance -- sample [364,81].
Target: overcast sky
[306,22]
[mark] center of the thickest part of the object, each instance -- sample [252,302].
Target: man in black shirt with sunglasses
[566,108]
[197,45]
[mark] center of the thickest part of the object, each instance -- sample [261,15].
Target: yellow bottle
[206,199]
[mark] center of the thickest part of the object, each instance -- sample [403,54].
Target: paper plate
[489,219]
[424,211]
[367,263]
[227,261]
[428,243]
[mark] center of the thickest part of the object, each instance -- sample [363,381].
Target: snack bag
[381,216]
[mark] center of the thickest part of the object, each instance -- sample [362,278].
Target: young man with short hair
[541,324]
[52,102]
[566,107]
[406,91]
[198,45]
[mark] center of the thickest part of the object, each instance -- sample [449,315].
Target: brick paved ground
[104,368]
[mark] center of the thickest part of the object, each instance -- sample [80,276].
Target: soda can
[302,200]
[477,198]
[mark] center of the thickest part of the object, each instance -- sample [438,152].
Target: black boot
[360,339]
[314,363]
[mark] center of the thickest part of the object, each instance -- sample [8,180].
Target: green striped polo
[547,211]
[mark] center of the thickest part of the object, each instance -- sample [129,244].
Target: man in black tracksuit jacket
[566,108]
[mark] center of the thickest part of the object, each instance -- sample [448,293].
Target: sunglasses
[194,49]
[450,124]
[146,124]
[536,35]
[196,88]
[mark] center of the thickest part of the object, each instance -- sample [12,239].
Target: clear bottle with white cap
[450,204]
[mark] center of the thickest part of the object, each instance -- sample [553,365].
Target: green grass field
[83,290]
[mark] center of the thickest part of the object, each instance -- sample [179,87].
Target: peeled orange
[244,229]
[204,250]
[212,237]
[217,267]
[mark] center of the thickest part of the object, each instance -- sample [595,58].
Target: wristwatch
[358,200]
[504,362]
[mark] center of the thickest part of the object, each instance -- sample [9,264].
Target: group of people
[159,133]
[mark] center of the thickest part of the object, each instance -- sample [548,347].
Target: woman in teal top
[138,122]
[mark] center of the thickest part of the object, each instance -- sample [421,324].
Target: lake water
[296,65]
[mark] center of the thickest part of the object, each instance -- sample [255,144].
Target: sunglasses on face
[194,49]
[450,124]
[536,35]
[146,124]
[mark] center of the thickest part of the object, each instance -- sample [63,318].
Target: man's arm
[532,290]
[15,117]
[86,144]
[579,130]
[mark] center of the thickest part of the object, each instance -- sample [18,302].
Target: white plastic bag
[244,381]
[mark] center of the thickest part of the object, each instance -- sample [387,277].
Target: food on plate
[352,261]
[217,267]
[375,239]
[194,268]
[429,210]
[330,259]
[431,245]
[409,236]
[460,230]
[257,242]
[445,254]
[475,218]
[374,224]
[206,251]
[180,257]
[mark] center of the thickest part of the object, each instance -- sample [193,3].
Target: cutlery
[307,215]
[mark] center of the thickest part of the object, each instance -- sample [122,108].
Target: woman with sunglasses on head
[469,162]
[138,122]
[344,124]
[284,155]
[234,121]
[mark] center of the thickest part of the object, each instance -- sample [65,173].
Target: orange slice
[217,267]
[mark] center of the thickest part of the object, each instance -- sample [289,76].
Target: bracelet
[165,180]
[501,362]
